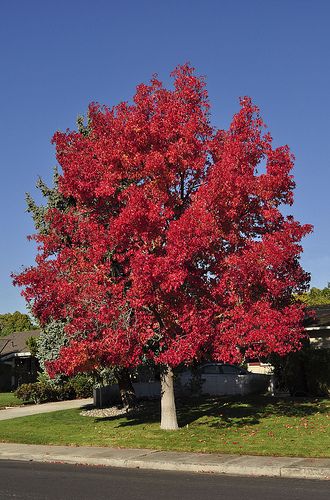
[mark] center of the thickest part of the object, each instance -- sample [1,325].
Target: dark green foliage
[45,390]
[104,376]
[306,372]
[15,322]
[54,200]
[32,345]
[82,386]
[53,196]
[318,371]
[38,392]
[83,129]
[65,392]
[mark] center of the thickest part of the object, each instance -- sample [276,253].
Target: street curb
[256,466]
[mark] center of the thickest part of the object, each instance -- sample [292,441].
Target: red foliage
[176,246]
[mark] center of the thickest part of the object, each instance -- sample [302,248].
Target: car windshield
[210,369]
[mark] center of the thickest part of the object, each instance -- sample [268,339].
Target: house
[17,365]
[318,327]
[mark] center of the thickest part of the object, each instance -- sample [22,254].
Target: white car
[222,379]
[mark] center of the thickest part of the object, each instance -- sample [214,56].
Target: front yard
[256,426]
[9,399]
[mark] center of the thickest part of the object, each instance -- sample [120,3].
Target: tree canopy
[175,246]
[316,296]
[15,322]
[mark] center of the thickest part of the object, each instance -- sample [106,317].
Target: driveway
[25,411]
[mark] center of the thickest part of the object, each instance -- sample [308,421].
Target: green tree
[15,322]
[316,296]
[32,345]
[54,200]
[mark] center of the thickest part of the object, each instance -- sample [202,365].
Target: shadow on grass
[224,412]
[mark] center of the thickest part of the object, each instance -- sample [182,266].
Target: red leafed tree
[176,247]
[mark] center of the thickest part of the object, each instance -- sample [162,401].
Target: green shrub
[36,392]
[65,391]
[318,372]
[305,372]
[80,386]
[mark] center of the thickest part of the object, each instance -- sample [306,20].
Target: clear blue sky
[57,56]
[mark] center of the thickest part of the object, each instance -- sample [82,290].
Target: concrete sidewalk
[25,411]
[304,468]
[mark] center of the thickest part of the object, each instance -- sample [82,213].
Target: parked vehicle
[216,379]
[221,379]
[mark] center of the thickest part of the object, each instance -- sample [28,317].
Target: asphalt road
[33,481]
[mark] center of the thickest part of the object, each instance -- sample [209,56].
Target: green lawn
[9,399]
[260,426]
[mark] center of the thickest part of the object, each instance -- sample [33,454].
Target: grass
[256,426]
[9,399]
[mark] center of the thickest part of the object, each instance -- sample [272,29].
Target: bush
[318,372]
[65,392]
[82,385]
[43,391]
[37,392]
[305,372]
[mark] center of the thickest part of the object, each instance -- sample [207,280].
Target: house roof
[16,342]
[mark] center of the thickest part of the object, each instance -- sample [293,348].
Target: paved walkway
[24,411]
[304,468]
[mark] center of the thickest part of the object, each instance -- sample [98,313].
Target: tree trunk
[168,411]
[126,389]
